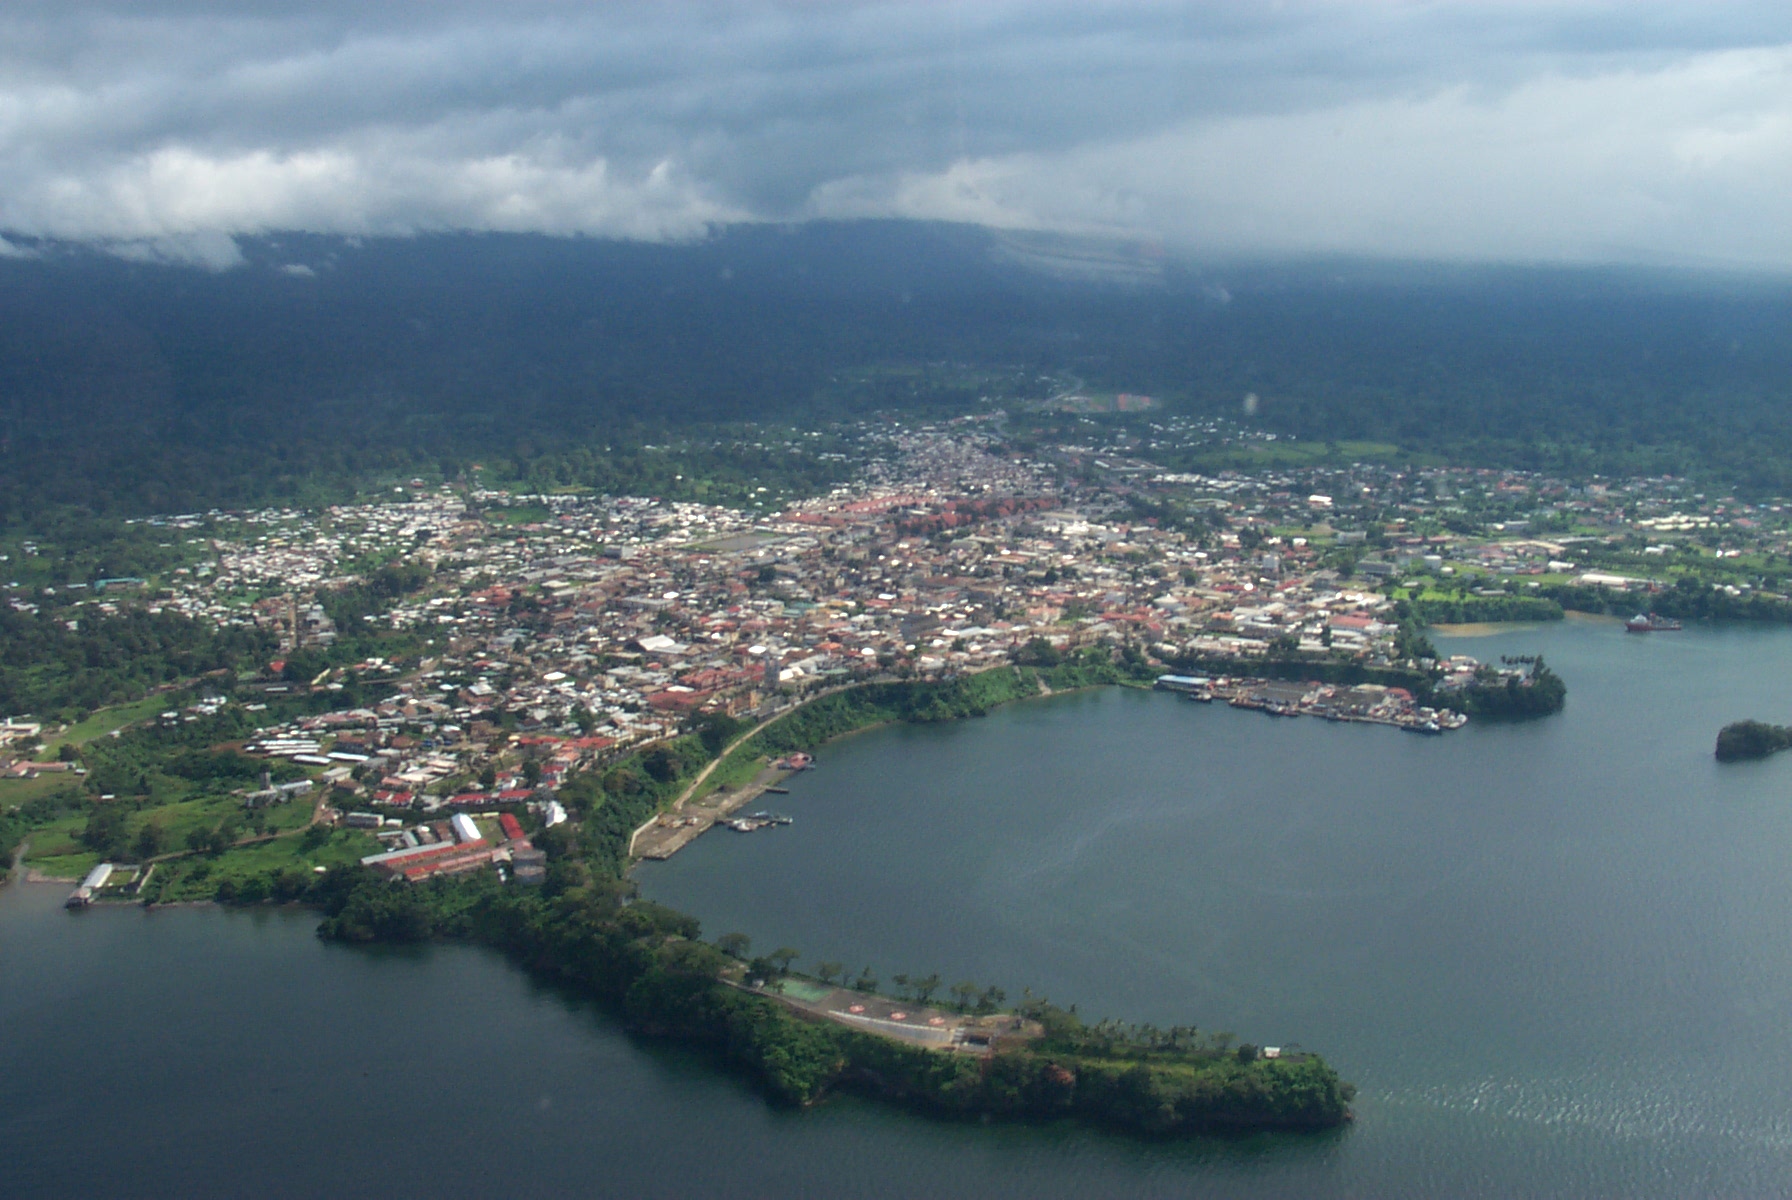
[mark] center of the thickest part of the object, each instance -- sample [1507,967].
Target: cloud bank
[1516,131]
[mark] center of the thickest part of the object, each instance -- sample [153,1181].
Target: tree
[782,957]
[488,778]
[963,993]
[901,982]
[532,772]
[866,982]
[826,971]
[661,763]
[991,999]
[734,945]
[105,831]
[926,987]
[151,840]
[221,839]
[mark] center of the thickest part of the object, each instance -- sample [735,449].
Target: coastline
[646,964]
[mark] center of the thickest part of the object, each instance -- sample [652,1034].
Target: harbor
[671,831]
[1363,703]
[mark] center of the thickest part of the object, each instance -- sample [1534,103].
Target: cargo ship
[1650,623]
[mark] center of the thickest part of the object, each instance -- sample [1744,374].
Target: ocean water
[1555,957]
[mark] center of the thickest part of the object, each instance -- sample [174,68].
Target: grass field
[57,843]
[197,877]
[65,866]
[104,721]
[20,791]
[738,770]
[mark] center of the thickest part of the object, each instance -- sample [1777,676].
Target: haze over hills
[133,387]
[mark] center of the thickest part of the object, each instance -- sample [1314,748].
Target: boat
[1651,623]
[1423,727]
[755,821]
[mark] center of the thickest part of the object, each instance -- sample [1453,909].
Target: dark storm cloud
[1512,130]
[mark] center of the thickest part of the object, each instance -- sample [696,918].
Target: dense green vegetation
[1540,693]
[881,703]
[644,960]
[67,661]
[128,388]
[169,791]
[1465,608]
[1751,739]
[914,701]
[1688,599]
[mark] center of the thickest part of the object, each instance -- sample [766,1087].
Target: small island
[1742,740]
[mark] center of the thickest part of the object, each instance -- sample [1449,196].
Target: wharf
[1358,705]
[678,827]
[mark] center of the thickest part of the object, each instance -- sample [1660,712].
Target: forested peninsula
[646,962]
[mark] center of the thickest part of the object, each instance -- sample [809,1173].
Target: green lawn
[196,877]
[21,791]
[63,866]
[60,839]
[105,720]
[737,771]
[57,840]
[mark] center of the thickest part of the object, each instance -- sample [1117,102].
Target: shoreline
[676,835]
[685,990]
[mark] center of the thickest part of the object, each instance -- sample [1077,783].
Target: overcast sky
[1522,130]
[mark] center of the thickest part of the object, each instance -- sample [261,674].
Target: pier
[1363,704]
[676,828]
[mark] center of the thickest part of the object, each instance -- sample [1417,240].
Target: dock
[1361,704]
[673,830]
[96,879]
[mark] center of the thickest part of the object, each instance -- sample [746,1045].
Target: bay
[1554,956]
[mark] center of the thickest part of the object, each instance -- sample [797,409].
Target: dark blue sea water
[1556,958]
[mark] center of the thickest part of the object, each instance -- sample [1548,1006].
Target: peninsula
[462,710]
[802,1036]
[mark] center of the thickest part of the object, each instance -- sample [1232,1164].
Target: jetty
[1365,703]
[671,831]
[89,887]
